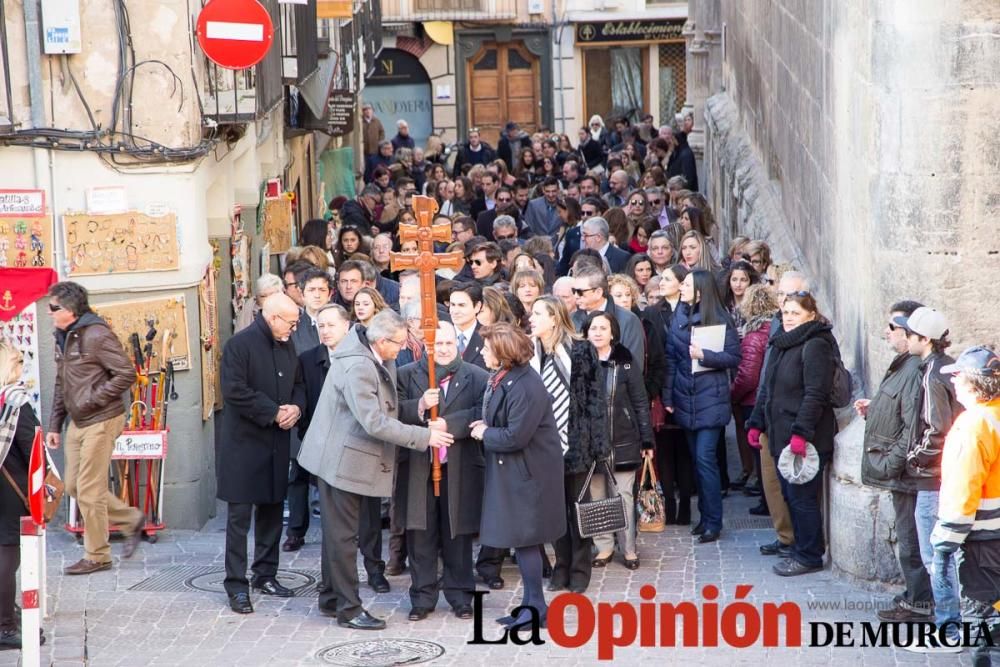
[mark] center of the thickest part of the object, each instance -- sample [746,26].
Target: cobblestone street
[116,618]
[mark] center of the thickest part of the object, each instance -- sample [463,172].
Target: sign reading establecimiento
[628,31]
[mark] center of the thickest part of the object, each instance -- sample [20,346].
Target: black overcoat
[259,374]
[794,398]
[523,497]
[462,405]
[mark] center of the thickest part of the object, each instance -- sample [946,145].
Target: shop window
[625,70]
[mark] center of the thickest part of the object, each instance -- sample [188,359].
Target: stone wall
[862,139]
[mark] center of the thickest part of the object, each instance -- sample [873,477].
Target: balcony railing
[448,10]
[246,95]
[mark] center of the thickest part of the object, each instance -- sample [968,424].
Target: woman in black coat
[17,422]
[629,429]
[575,386]
[793,408]
[523,504]
[673,460]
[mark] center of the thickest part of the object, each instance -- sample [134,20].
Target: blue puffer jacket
[699,400]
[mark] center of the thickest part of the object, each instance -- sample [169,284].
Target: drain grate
[747,524]
[380,653]
[210,579]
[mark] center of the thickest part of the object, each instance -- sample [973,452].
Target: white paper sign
[707,338]
[22,202]
[134,445]
[106,200]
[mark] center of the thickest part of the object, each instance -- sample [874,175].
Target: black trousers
[573,553]
[918,591]
[267,536]
[10,560]
[457,580]
[340,515]
[673,463]
[979,587]
[370,534]
[298,500]
[489,562]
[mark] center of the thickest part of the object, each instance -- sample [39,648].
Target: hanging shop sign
[341,105]
[628,31]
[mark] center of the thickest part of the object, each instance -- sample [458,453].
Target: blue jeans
[944,579]
[807,516]
[703,445]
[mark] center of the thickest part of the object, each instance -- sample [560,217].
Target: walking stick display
[144,440]
[426,262]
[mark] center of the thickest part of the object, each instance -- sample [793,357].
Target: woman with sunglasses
[575,386]
[794,410]
[700,400]
[636,206]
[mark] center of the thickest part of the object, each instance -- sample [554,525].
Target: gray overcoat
[352,437]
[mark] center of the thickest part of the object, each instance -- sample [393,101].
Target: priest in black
[444,524]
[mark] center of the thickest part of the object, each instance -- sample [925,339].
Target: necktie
[461,344]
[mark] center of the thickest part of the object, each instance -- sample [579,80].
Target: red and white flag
[36,479]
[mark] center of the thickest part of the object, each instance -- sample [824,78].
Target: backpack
[841,391]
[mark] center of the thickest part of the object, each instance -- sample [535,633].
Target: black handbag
[600,517]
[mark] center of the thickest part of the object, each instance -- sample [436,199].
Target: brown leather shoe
[84,566]
[132,541]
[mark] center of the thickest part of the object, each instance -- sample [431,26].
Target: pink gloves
[753,437]
[798,445]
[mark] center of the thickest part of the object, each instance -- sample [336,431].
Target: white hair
[267,282]
[384,325]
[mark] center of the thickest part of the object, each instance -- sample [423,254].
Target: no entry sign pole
[235,34]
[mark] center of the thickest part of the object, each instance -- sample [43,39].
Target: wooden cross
[426,262]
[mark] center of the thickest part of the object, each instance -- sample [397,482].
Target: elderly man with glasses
[351,448]
[263,398]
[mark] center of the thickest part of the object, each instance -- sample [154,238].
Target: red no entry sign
[235,34]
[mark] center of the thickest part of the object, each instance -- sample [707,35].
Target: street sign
[235,34]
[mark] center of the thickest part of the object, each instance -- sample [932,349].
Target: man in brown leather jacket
[92,373]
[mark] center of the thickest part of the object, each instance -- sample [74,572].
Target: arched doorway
[400,88]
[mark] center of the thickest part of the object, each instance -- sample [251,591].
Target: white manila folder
[711,338]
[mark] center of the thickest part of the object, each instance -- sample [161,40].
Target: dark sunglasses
[637,202]
[505,238]
[894,327]
[655,202]
[291,284]
[800,293]
[580,292]
[55,308]
[478,262]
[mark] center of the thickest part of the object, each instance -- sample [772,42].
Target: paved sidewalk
[98,620]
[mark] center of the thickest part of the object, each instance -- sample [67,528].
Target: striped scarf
[555,370]
[12,398]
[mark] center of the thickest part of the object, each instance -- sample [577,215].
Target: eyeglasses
[655,202]
[294,325]
[477,262]
[55,308]
[580,292]
[588,236]
[397,343]
[800,293]
[636,202]
[589,212]
[291,283]
[894,327]
[505,237]
[505,200]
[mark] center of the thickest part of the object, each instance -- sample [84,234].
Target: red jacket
[747,380]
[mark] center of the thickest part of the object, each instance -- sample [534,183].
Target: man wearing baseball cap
[935,410]
[967,523]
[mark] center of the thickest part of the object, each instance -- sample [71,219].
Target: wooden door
[504,85]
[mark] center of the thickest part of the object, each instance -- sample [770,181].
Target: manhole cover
[179,579]
[380,652]
[213,581]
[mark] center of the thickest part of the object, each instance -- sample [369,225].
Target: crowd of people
[571,336]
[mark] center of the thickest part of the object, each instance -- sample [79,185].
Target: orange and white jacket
[969,505]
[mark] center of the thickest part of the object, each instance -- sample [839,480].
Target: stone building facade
[862,139]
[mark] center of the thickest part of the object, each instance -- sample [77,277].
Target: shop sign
[628,31]
[341,105]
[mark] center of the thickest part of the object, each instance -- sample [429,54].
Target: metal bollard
[32,590]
